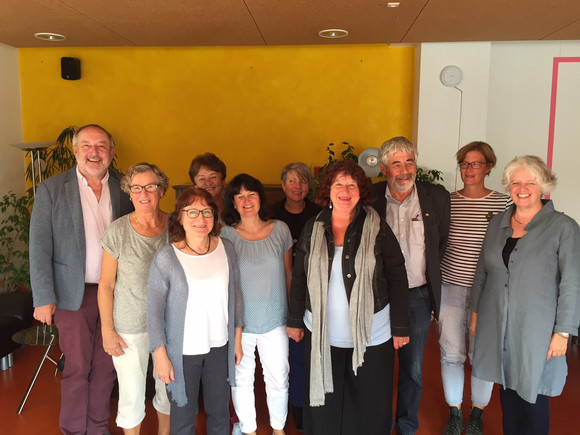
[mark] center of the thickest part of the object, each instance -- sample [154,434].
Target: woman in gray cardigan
[195,314]
[525,298]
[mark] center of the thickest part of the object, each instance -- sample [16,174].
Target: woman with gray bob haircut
[295,210]
[141,168]
[544,176]
[526,298]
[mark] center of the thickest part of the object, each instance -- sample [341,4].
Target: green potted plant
[432,176]
[15,214]
[14,229]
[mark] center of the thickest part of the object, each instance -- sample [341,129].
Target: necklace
[143,226]
[521,223]
[198,253]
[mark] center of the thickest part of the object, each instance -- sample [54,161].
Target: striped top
[469,220]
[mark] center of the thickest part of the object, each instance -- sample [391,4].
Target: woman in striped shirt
[471,210]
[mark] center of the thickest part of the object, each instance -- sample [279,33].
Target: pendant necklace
[198,253]
[521,223]
[143,226]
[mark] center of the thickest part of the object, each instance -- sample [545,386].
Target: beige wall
[12,160]
[506,100]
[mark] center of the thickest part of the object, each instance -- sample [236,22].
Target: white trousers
[273,351]
[131,370]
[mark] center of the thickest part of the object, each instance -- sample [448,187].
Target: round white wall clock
[451,76]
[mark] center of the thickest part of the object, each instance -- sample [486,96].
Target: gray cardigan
[519,307]
[166,306]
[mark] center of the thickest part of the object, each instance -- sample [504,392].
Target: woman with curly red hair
[348,273]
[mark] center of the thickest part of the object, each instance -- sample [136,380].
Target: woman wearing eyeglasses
[471,210]
[195,314]
[129,245]
[264,249]
[526,293]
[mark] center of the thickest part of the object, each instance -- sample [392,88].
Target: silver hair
[300,168]
[537,168]
[76,135]
[141,168]
[395,144]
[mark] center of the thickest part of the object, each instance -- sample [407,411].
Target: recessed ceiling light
[47,36]
[333,33]
[393,4]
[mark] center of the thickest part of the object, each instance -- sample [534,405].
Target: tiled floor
[40,415]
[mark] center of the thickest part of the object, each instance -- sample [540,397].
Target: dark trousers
[297,373]
[410,387]
[524,418]
[360,404]
[211,371]
[89,374]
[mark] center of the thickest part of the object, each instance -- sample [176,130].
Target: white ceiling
[283,22]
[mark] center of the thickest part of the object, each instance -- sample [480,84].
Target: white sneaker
[236,430]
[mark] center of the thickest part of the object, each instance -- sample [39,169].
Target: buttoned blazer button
[347,256]
[348,275]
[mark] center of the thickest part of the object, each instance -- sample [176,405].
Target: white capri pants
[131,370]
[273,350]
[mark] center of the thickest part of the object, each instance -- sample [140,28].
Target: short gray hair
[76,135]
[537,169]
[300,168]
[395,144]
[141,168]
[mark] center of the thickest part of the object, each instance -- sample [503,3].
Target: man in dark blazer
[71,212]
[418,213]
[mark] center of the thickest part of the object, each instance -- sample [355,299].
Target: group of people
[328,293]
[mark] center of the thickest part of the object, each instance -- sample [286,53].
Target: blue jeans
[453,328]
[411,361]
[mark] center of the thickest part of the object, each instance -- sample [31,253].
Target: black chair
[15,314]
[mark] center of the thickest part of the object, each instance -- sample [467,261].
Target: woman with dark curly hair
[348,273]
[264,250]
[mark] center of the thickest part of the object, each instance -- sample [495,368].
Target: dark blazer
[436,210]
[57,239]
[389,280]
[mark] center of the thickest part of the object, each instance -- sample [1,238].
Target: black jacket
[390,276]
[436,210]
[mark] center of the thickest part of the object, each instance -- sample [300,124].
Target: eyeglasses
[192,213]
[135,188]
[474,165]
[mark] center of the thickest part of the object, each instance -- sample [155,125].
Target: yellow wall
[257,108]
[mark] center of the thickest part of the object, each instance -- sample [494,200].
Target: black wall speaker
[70,68]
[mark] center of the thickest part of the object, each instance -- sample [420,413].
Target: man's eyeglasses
[135,188]
[474,165]
[192,213]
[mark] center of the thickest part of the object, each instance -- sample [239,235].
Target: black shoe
[475,422]
[455,424]
[297,414]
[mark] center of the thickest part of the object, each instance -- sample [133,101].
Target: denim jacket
[389,281]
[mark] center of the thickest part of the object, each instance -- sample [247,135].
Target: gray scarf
[361,306]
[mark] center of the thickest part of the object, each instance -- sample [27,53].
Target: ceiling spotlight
[333,33]
[47,36]
[393,4]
